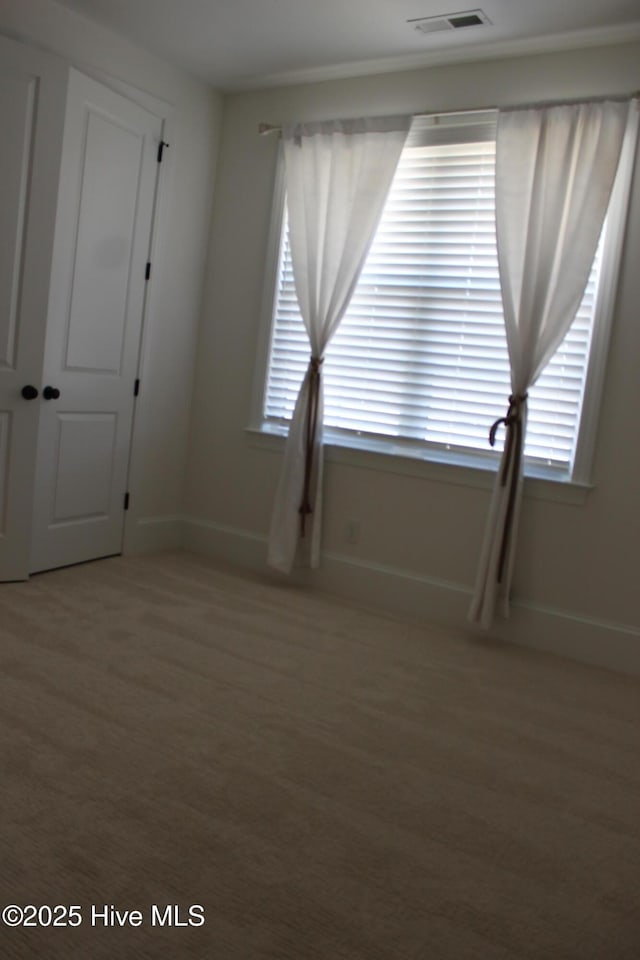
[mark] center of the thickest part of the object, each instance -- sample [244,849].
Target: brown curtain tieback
[513,446]
[312,427]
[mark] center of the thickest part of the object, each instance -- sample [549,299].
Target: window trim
[385,456]
[269,294]
[612,253]
[473,469]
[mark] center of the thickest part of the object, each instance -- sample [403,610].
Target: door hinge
[161,146]
[136,387]
[147,271]
[126,501]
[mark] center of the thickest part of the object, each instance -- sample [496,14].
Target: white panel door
[102,241]
[32,104]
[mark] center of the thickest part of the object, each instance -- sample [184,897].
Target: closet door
[32,104]
[102,242]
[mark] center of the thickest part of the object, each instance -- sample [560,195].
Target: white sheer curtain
[337,176]
[555,168]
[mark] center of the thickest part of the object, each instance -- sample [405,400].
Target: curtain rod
[266,128]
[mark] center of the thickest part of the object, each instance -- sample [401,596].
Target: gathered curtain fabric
[337,177]
[555,168]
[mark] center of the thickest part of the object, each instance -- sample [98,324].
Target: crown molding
[501,49]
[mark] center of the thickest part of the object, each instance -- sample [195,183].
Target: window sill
[390,456]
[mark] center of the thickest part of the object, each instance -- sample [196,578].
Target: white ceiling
[246,43]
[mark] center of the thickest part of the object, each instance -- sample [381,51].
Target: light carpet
[325,782]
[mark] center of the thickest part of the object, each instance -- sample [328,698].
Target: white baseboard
[599,642]
[153,534]
[218,541]
[604,643]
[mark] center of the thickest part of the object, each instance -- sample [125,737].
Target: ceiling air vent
[450,21]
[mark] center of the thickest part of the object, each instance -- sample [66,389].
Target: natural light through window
[421,354]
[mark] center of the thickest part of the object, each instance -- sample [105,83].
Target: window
[420,358]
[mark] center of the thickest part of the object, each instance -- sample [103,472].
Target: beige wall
[193,113]
[420,536]
[577,557]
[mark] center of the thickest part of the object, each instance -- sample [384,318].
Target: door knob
[50,393]
[29,392]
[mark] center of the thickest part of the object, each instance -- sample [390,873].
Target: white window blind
[421,354]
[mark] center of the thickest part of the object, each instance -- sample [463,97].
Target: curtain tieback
[305,507]
[511,459]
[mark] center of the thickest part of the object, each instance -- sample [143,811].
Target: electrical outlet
[352,531]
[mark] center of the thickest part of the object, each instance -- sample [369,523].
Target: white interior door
[32,104]
[102,240]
